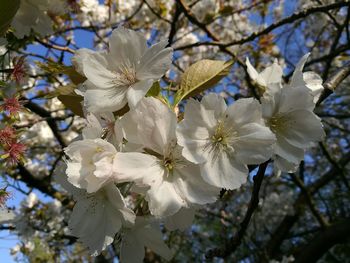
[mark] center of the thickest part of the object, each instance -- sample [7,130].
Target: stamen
[278,123]
[126,76]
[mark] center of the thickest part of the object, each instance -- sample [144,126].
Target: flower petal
[155,62]
[95,222]
[297,79]
[137,91]
[138,167]
[224,172]
[193,139]
[102,100]
[153,239]
[255,143]
[96,70]
[126,47]
[163,200]
[304,128]
[193,188]
[213,101]
[245,111]
[287,151]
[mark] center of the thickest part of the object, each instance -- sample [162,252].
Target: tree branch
[236,240]
[337,233]
[333,82]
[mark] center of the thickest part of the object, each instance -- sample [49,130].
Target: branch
[323,241]
[288,221]
[54,46]
[333,82]
[287,20]
[44,185]
[51,122]
[236,240]
[308,197]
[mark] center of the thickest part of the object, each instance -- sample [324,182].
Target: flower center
[168,164]
[277,123]
[126,76]
[222,139]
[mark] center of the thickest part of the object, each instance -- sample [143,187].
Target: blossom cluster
[129,173]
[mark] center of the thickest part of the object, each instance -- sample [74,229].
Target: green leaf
[56,68]
[200,76]
[74,76]
[154,90]
[8,10]
[69,98]
[73,102]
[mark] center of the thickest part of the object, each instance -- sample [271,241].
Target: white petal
[95,223]
[197,115]
[76,175]
[129,124]
[156,124]
[181,220]
[297,77]
[96,70]
[61,178]
[224,172]
[271,74]
[79,56]
[93,128]
[137,167]
[245,111]
[214,102]
[105,99]
[137,91]
[253,74]
[153,239]
[290,99]
[255,143]
[284,165]
[117,202]
[304,128]
[155,62]
[314,83]
[193,188]
[287,151]
[163,200]
[193,139]
[126,47]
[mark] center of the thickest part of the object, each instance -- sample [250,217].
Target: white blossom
[104,125]
[125,73]
[90,164]
[144,233]
[224,140]
[96,217]
[172,181]
[270,79]
[32,14]
[309,79]
[289,114]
